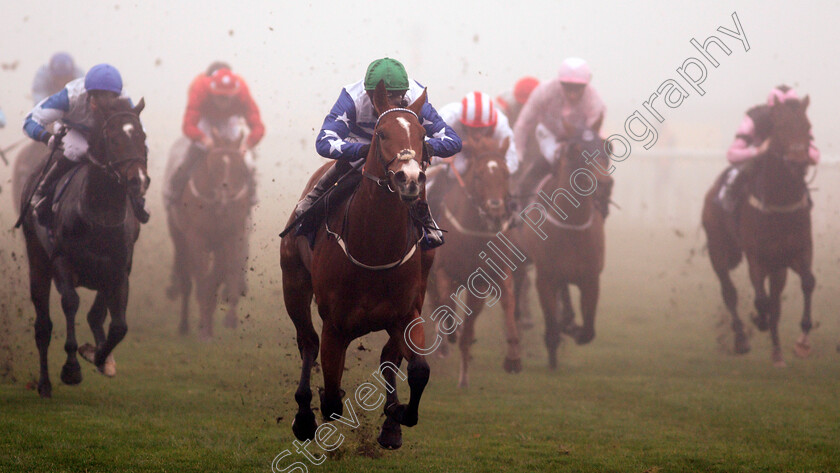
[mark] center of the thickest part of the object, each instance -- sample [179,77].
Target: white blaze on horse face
[411,169]
[492,166]
[128,128]
[407,126]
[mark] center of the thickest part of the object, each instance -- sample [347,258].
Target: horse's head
[396,153]
[119,144]
[790,137]
[224,172]
[487,177]
[583,150]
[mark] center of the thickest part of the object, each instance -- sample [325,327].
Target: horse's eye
[380,135]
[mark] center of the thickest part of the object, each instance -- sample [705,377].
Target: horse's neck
[775,184]
[102,195]
[464,208]
[377,221]
[577,215]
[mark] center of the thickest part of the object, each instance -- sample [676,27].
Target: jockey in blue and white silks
[52,77]
[347,133]
[349,125]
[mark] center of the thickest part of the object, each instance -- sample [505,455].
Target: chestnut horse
[773,229]
[209,229]
[365,274]
[92,241]
[567,250]
[474,211]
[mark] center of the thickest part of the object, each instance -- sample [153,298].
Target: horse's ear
[596,127]
[380,98]
[417,105]
[776,100]
[805,102]
[140,105]
[240,138]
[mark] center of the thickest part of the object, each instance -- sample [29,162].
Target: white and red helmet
[575,70]
[783,93]
[478,111]
[224,82]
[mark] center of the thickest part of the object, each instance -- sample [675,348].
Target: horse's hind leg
[513,359]
[297,293]
[181,283]
[390,435]
[71,372]
[546,289]
[466,339]
[567,310]
[40,279]
[721,264]
[116,300]
[777,284]
[809,282]
[521,287]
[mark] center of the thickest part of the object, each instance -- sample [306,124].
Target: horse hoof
[742,345]
[443,350]
[110,367]
[45,389]
[584,337]
[399,413]
[87,352]
[390,435]
[802,349]
[513,366]
[304,426]
[205,336]
[777,359]
[183,329]
[760,323]
[71,374]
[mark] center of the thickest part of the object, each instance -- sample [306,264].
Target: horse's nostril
[494,203]
[400,176]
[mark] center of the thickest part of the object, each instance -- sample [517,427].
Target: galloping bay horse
[366,274]
[570,250]
[209,229]
[91,243]
[474,211]
[773,229]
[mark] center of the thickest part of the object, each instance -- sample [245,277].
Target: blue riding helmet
[104,77]
[61,65]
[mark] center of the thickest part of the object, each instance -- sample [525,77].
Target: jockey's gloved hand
[428,152]
[363,152]
[48,138]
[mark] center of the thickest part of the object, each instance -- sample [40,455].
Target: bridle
[385,182]
[111,167]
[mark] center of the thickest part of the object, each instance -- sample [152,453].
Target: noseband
[385,182]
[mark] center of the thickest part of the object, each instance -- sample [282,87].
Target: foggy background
[296,56]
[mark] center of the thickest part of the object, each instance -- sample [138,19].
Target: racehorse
[209,229]
[474,211]
[570,250]
[772,228]
[91,243]
[365,274]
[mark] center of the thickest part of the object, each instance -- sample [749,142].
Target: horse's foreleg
[548,300]
[234,274]
[297,294]
[71,372]
[466,339]
[719,255]
[762,300]
[443,287]
[513,360]
[809,282]
[333,350]
[777,284]
[117,300]
[418,373]
[40,280]
[522,308]
[208,285]
[589,292]
[567,310]
[390,435]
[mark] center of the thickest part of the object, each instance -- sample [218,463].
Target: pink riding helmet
[575,70]
[778,93]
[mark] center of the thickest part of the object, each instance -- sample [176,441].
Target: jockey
[473,117]
[567,100]
[73,108]
[52,77]
[347,133]
[751,141]
[218,100]
[511,102]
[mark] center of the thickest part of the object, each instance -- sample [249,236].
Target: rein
[770,209]
[564,225]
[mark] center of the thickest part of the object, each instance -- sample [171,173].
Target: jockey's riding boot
[733,190]
[312,214]
[432,234]
[42,199]
[602,198]
[182,174]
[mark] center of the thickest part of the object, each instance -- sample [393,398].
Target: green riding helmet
[389,70]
